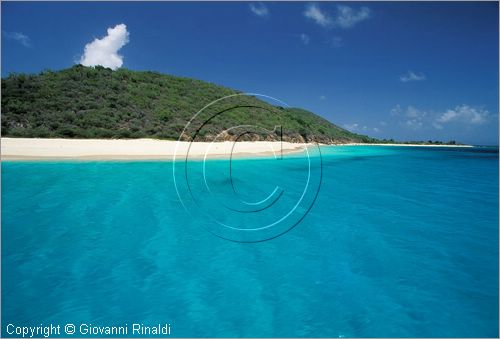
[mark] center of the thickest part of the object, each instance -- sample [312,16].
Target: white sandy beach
[40,149]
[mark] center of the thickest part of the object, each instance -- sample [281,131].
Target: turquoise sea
[400,242]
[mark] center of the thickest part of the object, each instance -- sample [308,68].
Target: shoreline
[403,145]
[36,149]
[39,149]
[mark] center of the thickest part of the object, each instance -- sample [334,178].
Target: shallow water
[400,242]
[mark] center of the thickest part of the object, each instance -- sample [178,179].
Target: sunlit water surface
[399,242]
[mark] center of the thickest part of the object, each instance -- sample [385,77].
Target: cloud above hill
[104,51]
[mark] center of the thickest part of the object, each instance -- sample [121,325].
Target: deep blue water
[399,242]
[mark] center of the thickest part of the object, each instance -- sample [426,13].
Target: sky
[401,70]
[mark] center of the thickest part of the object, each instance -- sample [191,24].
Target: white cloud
[314,13]
[357,128]
[322,97]
[412,112]
[347,17]
[259,9]
[305,38]
[411,76]
[104,52]
[415,118]
[463,113]
[437,126]
[412,117]
[351,127]
[23,39]
[414,123]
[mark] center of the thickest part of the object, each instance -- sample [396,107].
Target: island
[97,112]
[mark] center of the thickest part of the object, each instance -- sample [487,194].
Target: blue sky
[409,70]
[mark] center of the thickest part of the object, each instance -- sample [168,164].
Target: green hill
[88,102]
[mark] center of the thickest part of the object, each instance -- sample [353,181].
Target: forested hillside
[88,102]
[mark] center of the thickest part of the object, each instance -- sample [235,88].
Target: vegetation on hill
[96,102]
